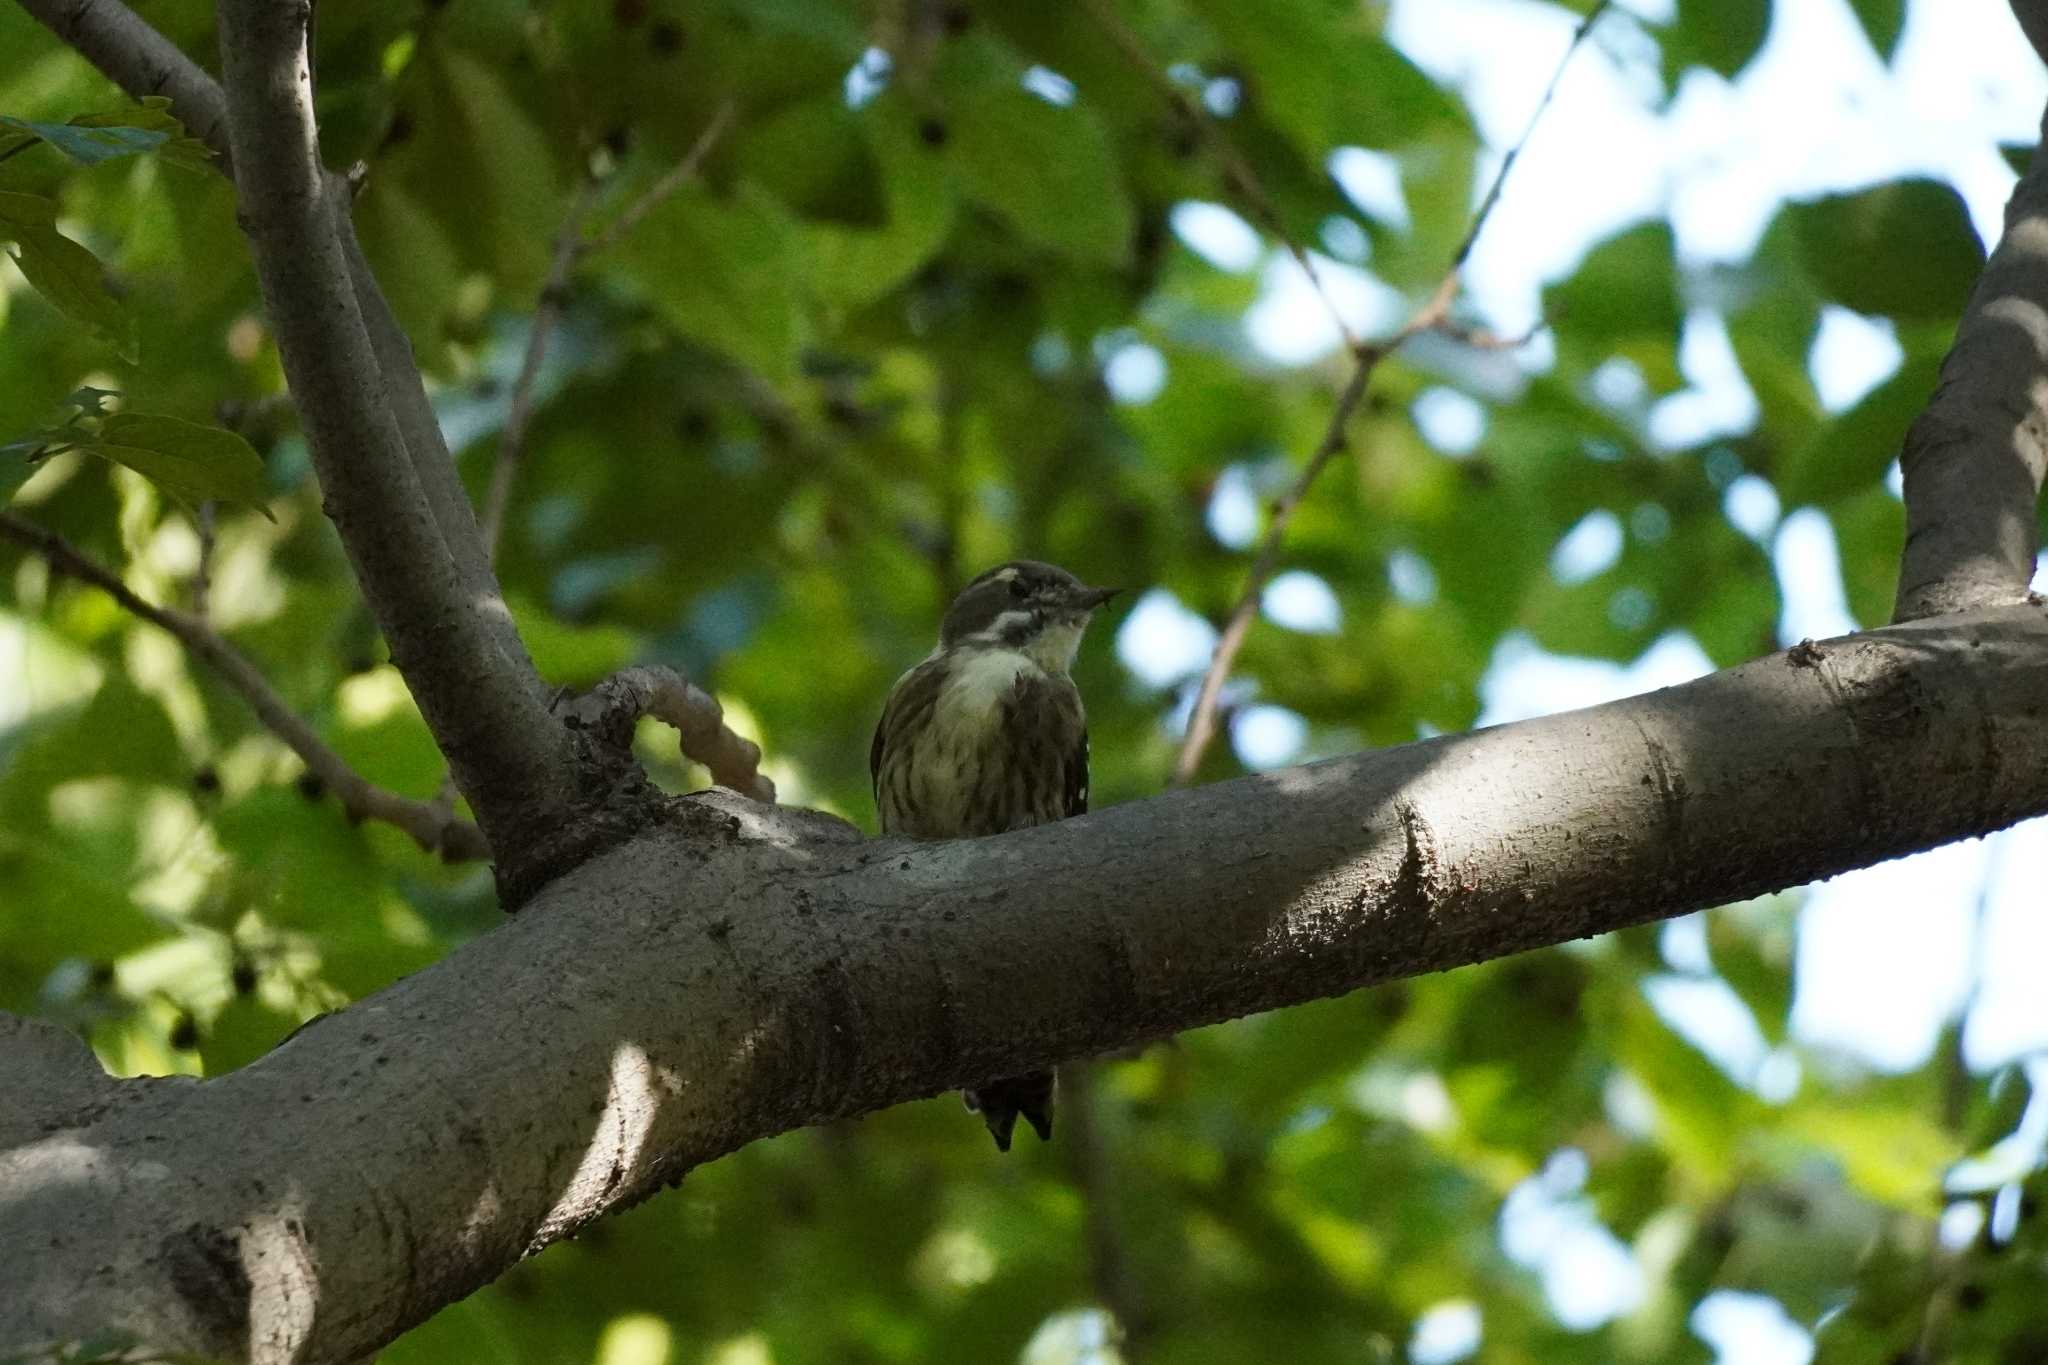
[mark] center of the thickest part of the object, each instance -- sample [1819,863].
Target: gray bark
[485,706]
[389,480]
[745,969]
[1974,459]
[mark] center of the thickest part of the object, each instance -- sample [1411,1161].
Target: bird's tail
[1000,1102]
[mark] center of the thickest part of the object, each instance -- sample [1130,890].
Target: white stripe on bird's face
[1050,646]
[1055,645]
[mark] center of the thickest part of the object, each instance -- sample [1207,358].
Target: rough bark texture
[1974,459]
[747,969]
[484,705]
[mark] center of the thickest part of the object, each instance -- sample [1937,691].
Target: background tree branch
[1433,315]
[432,826]
[570,248]
[746,970]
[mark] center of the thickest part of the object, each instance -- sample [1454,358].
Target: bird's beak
[1091,598]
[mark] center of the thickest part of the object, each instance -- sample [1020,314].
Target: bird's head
[1036,609]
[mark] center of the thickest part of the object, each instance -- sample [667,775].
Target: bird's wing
[1045,711]
[915,693]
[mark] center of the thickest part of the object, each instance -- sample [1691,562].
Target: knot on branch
[609,711]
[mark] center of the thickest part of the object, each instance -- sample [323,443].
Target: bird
[988,734]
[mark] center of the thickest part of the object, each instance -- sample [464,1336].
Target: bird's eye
[1019,589]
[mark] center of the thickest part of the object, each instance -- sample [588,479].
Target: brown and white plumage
[989,735]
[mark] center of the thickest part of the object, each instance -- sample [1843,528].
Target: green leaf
[15,469]
[90,139]
[1870,530]
[153,116]
[851,265]
[1906,250]
[1883,21]
[414,260]
[90,401]
[89,146]
[1721,35]
[18,210]
[1893,1154]
[1046,170]
[724,271]
[244,1030]
[1772,324]
[569,655]
[1852,452]
[192,463]
[1622,301]
[1325,77]
[482,167]
[62,271]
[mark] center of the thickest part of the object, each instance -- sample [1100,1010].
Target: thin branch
[1507,163]
[570,248]
[486,712]
[1433,315]
[546,313]
[672,180]
[610,710]
[433,829]
[202,573]
[1237,170]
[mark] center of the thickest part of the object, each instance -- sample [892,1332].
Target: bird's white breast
[978,683]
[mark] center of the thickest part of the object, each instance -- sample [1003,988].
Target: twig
[1236,168]
[435,830]
[571,246]
[202,573]
[1431,316]
[674,179]
[610,709]
[512,441]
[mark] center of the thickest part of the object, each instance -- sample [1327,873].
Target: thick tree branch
[433,827]
[513,763]
[751,969]
[1974,458]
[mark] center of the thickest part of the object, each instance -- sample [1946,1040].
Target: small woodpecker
[988,735]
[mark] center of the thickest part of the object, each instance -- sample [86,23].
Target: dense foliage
[858,358]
